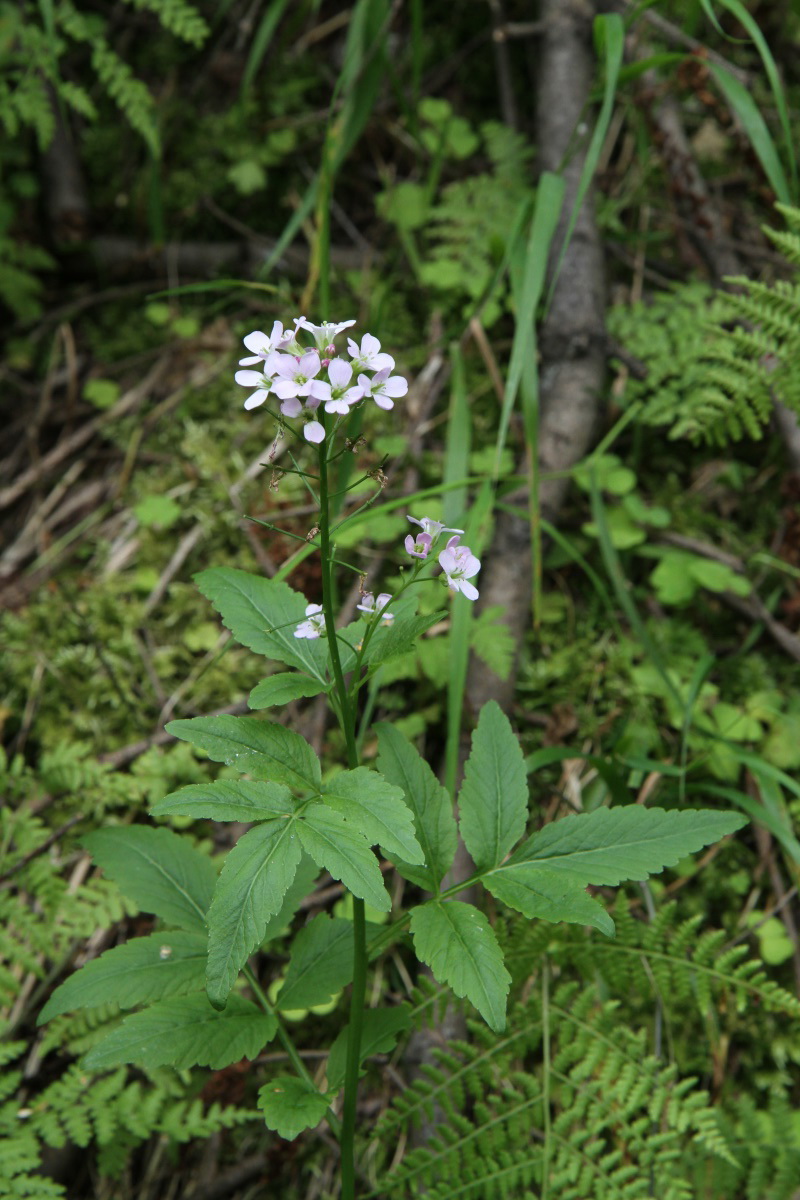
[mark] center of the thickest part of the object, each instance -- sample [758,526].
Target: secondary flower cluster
[458,562]
[296,374]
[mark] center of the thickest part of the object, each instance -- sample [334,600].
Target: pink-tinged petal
[287,367]
[309,364]
[248,362]
[319,389]
[383,402]
[291,407]
[339,372]
[312,403]
[339,406]
[382,599]
[396,386]
[382,362]
[353,395]
[249,378]
[448,561]
[271,364]
[314,432]
[379,377]
[256,399]
[284,388]
[453,542]
[369,345]
[256,341]
[468,590]
[365,383]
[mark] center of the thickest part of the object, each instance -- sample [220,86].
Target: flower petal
[314,432]
[257,398]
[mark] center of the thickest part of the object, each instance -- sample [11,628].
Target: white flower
[340,396]
[254,379]
[431,527]
[460,565]
[324,333]
[383,389]
[313,431]
[298,376]
[372,605]
[314,626]
[367,357]
[261,346]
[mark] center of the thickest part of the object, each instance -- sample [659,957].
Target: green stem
[353,1063]
[347,721]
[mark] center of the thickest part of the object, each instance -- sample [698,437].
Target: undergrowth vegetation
[236,163]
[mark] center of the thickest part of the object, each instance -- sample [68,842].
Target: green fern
[717,362]
[570,1089]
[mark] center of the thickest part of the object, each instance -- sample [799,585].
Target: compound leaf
[263,614]
[434,823]
[162,872]
[257,747]
[493,801]
[143,970]
[252,884]
[186,1032]
[342,850]
[458,944]
[377,809]
[227,800]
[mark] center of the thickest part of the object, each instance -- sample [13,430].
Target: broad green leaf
[227,800]
[299,888]
[256,876]
[184,1033]
[612,844]
[379,1033]
[377,809]
[282,689]
[549,895]
[162,872]
[145,969]
[263,615]
[493,801]
[458,944]
[321,962]
[395,639]
[336,846]
[256,747]
[291,1105]
[435,825]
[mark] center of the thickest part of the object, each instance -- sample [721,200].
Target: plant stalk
[347,720]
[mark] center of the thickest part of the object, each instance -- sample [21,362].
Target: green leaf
[144,969]
[612,844]
[458,944]
[379,1033]
[493,801]
[300,887]
[256,876]
[549,895]
[257,747]
[377,809]
[282,689]
[263,615]
[435,825]
[321,963]
[162,872]
[399,637]
[291,1105]
[186,1033]
[227,800]
[336,846]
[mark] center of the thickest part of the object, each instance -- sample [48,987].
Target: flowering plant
[197,992]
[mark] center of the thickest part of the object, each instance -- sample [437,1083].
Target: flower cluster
[458,562]
[296,374]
